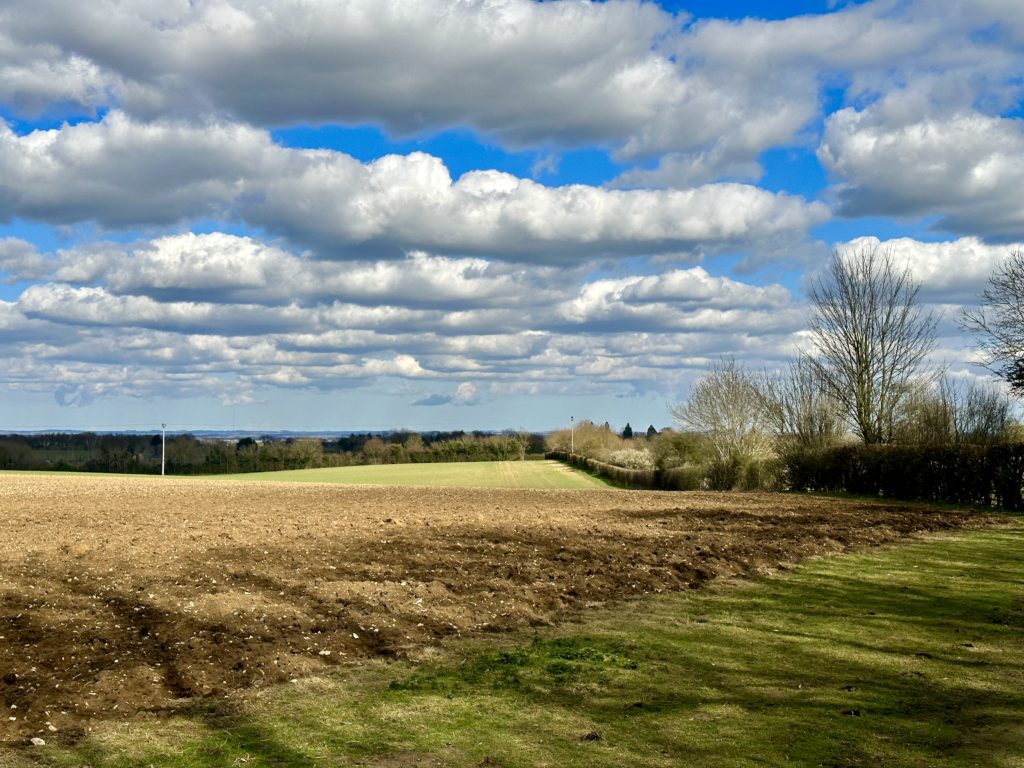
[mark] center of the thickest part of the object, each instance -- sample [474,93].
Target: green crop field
[477,474]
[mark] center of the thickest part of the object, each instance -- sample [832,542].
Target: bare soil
[120,595]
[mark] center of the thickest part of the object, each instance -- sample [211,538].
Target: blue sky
[489,214]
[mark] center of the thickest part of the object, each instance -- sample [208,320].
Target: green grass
[476,474]
[912,656]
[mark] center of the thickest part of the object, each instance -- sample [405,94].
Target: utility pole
[572,434]
[163,447]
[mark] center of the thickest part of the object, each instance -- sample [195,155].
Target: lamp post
[163,447]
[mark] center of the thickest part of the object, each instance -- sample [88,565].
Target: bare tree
[982,414]
[999,322]
[585,438]
[727,406]
[802,411]
[872,338]
[927,415]
[946,412]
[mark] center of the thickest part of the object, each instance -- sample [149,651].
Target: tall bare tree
[999,322]
[872,338]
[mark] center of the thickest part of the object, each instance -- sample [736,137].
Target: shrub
[728,407]
[741,475]
[689,477]
[584,438]
[724,474]
[632,458]
[676,449]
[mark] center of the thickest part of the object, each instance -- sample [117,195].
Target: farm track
[126,594]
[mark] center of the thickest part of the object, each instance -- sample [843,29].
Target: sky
[475,214]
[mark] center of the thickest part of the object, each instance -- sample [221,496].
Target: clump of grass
[543,666]
[909,656]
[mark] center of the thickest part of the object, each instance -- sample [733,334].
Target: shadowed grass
[913,656]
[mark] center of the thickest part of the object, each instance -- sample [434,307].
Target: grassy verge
[913,656]
[475,474]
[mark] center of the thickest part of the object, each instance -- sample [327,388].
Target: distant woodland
[189,455]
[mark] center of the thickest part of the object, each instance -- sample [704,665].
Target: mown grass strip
[475,474]
[912,656]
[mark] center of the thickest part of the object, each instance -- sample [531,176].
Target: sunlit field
[477,474]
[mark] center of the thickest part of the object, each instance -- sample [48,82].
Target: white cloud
[954,271]
[96,306]
[392,269]
[409,64]
[119,172]
[34,77]
[398,203]
[229,268]
[711,96]
[967,168]
[107,172]
[144,307]
[680,299]
[750,85]
[20,260]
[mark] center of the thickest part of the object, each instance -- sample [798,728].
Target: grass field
[911,656]
[477,474]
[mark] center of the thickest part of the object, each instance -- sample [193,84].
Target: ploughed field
[127,594]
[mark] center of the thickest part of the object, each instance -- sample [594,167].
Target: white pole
[163,447]
[572,434]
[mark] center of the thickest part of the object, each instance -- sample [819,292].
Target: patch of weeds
[543,664]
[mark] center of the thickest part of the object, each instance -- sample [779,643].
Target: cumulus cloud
[397,203]
[120,172]
[223,284]
[106,172]
[96,306]
[465,393]
[954,271]
[110,309]
[407,64]
[20,260]
[36,77]
[360,272]
[229,268]
[751,84]
[710,95]
[681,299]
[966,168]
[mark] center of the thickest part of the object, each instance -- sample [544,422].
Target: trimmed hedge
[975,475]
[678,479]
[966,474]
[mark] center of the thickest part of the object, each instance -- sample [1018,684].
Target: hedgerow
[978,475]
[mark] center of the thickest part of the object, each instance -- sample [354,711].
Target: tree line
[189,455]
